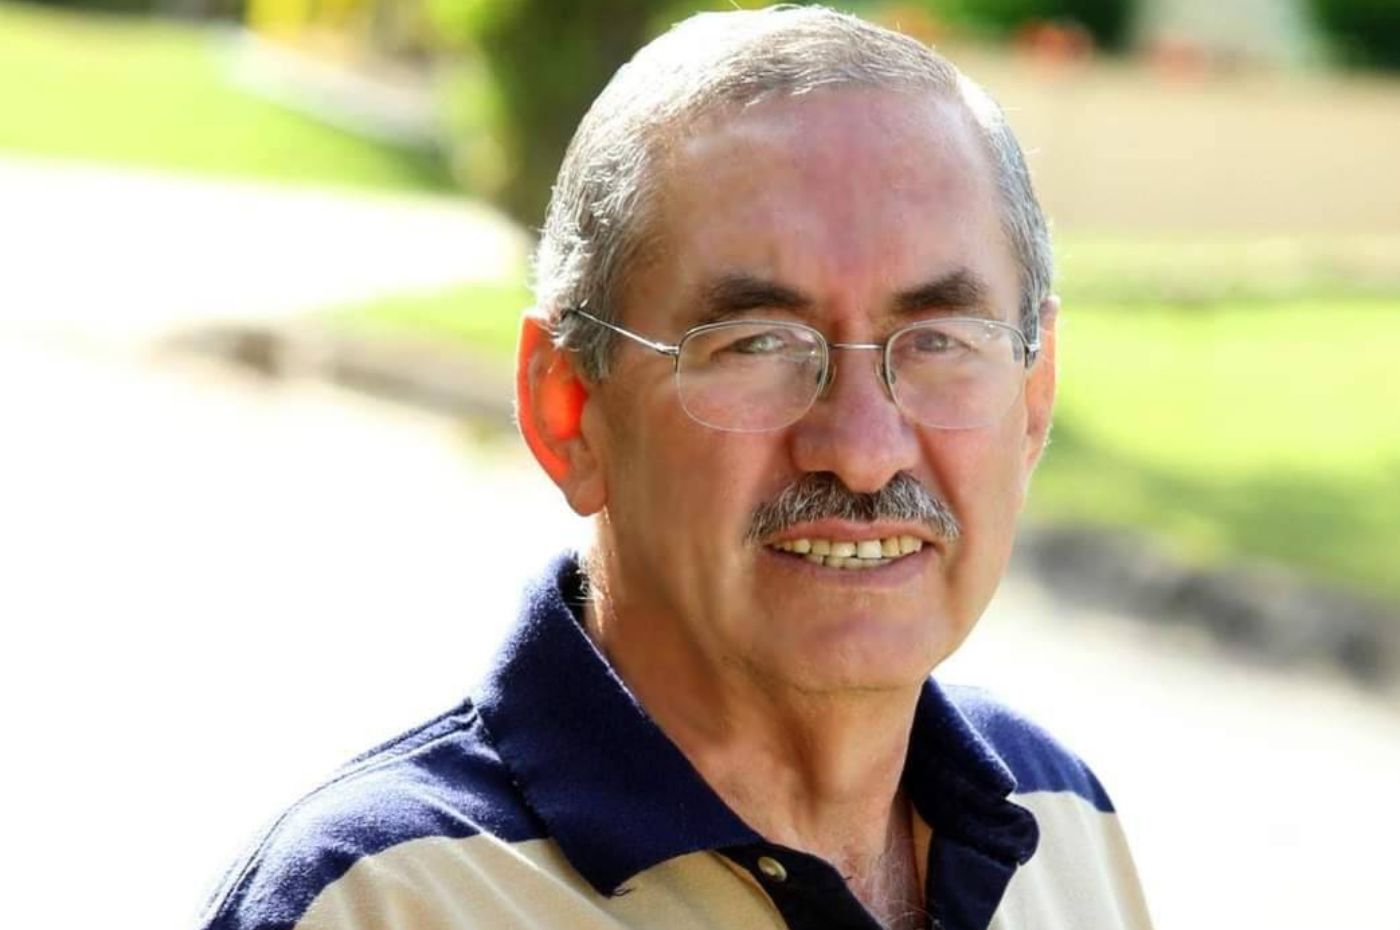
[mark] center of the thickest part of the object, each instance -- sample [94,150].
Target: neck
[817,772]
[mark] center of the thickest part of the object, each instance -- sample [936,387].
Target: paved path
[107,253]
[217,589]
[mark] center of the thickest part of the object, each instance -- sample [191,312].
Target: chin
[853,680]
[862,655]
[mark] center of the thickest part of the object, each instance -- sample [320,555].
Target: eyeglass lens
[755,376]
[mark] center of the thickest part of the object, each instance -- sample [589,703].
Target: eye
[755,346]
[768,342]
[930,341]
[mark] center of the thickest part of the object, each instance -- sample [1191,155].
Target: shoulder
[441,779]
[1081,873]
[1038,761]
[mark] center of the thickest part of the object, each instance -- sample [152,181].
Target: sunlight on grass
[1232,389]
[482,315]
[155,93]
[1254,431]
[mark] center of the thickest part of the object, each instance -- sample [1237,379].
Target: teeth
[868,548]
[852,555]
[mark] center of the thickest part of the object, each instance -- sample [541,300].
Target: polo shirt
[551,799]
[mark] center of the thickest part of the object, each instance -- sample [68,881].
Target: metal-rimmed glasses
[751,376]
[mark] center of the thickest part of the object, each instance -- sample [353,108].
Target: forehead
[847,195]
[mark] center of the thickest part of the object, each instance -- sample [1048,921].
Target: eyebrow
[733,294]
[962,291]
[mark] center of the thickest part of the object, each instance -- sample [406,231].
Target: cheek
[982,474]
[678,485]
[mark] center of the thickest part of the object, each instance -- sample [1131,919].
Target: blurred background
[261,507]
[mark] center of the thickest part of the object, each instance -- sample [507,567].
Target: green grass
[141,92]
[1236,430]
[482,315]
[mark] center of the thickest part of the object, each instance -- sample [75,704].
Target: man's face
[850,200]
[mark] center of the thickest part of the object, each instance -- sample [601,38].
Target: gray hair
[594,232]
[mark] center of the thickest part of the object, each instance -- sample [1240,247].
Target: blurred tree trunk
[548,60]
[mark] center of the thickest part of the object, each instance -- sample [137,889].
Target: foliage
[1364,31]
[144,92]
[225,9]
[1106,20]
[105,6]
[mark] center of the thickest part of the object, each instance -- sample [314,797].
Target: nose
[854,430]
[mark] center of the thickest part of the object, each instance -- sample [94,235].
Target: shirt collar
[616,794]
[619,797]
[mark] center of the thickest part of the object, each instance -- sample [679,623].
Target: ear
[550,399]
[1040,386]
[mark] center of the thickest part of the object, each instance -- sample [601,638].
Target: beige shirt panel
[484,883]
[1082,876]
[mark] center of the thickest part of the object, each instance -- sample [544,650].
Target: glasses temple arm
[663,348]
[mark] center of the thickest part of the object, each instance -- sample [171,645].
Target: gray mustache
[822,496]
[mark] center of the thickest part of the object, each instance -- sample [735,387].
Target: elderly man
[794,352]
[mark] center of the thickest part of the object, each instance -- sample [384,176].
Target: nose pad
[887,376]
[825,379]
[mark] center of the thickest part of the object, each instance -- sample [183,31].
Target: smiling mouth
[851,555]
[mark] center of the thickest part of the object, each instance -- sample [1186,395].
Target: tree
[1365,31]
[542,62]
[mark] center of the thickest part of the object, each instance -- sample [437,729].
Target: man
[794,352]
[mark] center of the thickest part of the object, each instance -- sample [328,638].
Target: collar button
[772,869]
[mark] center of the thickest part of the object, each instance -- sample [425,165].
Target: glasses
[750,376]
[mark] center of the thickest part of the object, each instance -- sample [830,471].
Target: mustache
[823,496]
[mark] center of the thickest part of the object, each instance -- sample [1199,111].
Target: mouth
[850,554]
